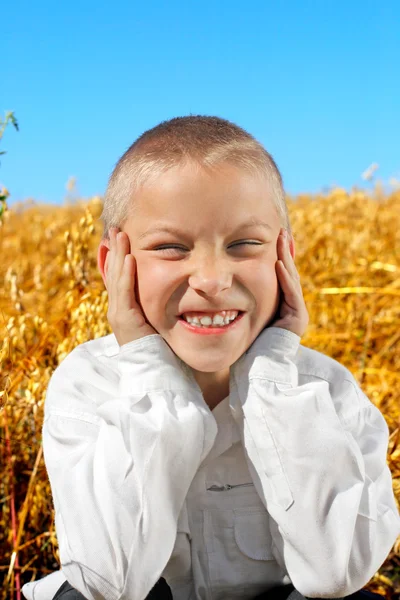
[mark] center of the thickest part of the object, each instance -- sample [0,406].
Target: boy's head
[205,177]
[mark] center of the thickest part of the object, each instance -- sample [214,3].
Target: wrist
[271,357]
[148,364]
[277,341]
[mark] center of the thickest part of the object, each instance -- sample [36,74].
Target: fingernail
[285,234]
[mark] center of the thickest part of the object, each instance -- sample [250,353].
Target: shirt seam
[86,418]
[271,379]
[140,342]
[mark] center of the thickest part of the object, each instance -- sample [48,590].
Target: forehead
[223,196]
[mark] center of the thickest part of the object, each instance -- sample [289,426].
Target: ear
[103,254]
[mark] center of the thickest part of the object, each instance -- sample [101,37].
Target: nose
[210,276]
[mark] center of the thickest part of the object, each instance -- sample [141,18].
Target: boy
[200,445]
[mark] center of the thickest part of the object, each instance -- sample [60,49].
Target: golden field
[52,298]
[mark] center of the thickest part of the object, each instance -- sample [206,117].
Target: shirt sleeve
[121,448]
[322,476]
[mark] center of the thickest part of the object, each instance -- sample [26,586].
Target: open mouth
[211,326]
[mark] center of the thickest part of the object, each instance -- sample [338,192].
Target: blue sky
[316,82]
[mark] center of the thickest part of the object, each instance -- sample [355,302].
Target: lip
[212,330]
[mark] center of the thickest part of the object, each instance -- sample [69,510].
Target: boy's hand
[292,313]
[124,314]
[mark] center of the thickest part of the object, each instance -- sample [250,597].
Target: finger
[121,250]
[126,292]
[288,284]
[111,257]
[287,259]
[106,265]
[112,278]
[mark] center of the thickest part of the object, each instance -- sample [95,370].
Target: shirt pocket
[252,535]
[239,552]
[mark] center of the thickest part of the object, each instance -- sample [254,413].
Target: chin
[208,365]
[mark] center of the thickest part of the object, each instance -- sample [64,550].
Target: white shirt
[136,462]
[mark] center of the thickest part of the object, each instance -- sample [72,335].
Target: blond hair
[204,139]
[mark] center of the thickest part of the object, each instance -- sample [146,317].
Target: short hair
[207,140]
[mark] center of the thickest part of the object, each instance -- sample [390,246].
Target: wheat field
[52,298]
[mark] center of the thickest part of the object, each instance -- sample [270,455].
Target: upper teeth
[222,318]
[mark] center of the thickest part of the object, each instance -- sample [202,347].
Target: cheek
[262,278]
[150,281]
[266,291]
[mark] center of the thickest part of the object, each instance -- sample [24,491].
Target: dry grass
[52,298]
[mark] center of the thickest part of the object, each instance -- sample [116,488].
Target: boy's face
[209,270]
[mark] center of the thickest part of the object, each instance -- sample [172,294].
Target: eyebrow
[253,222]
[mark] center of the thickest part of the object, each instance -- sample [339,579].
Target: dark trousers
[289,592]
[162,591]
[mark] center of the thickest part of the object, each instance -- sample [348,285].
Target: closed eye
[173,247]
